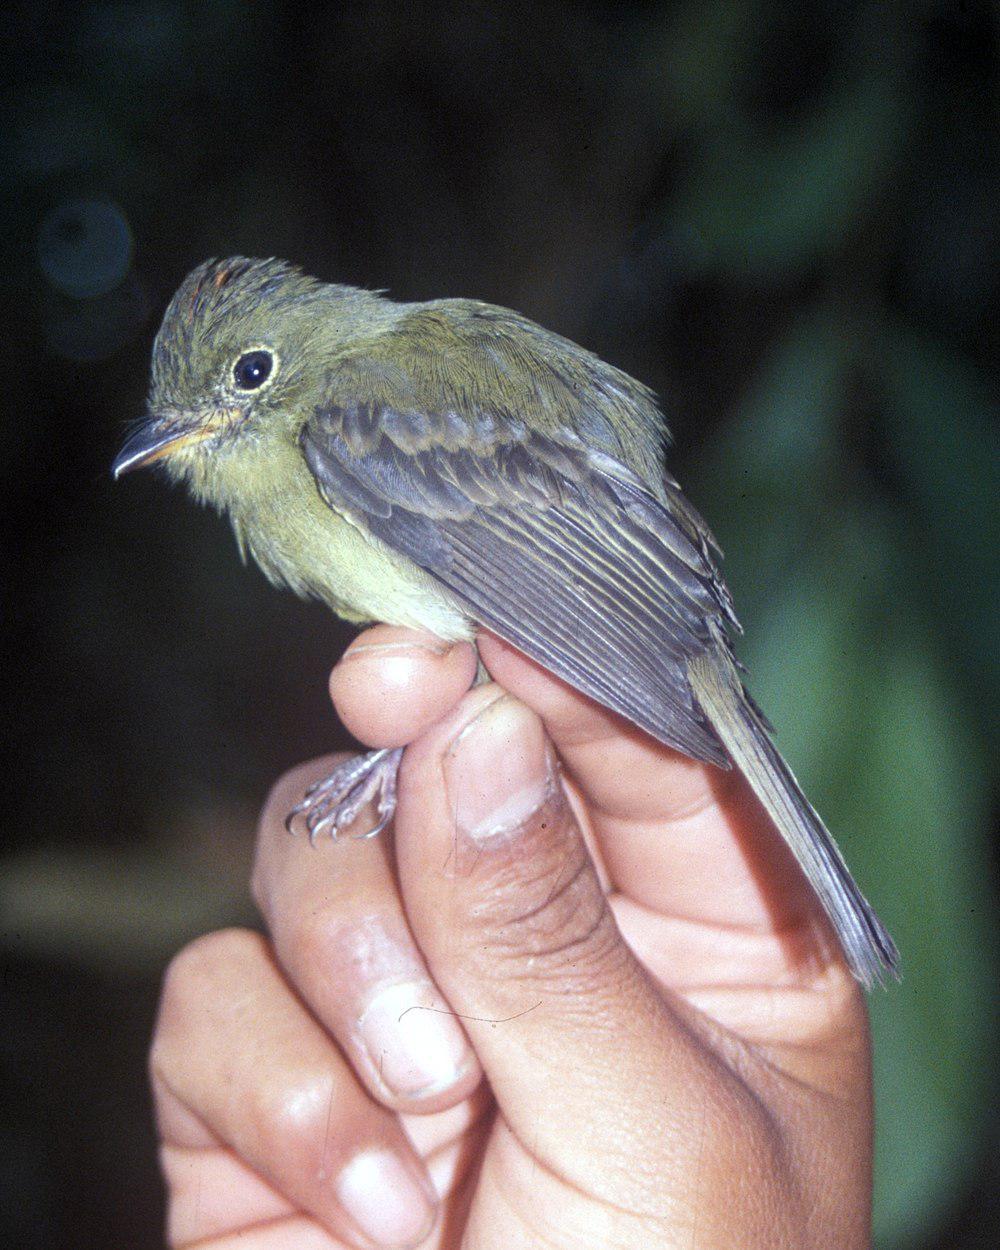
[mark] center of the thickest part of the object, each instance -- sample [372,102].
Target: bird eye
[253,369]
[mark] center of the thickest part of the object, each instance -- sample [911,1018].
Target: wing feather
[564,553]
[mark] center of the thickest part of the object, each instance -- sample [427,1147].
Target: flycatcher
[452,465]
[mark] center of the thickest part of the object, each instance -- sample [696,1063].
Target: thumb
[592,1067]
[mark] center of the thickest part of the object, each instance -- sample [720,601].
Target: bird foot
[333,803]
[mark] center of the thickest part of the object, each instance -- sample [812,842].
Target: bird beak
[159,437]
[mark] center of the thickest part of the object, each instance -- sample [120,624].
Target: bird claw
[333,803]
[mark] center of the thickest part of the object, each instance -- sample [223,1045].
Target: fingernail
[415,1045]
[434,646]
[383,1199]
[499,770]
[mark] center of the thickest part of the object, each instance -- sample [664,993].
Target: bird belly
[319,553]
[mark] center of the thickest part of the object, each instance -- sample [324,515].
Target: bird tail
[869,949]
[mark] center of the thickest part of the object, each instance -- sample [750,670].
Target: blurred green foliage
[782,216]
[843,652]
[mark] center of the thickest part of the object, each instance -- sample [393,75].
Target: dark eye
[253,369]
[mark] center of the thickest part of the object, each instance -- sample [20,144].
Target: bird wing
[559,548]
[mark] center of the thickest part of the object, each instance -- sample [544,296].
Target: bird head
[234,368]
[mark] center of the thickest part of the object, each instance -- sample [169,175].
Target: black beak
[158,437]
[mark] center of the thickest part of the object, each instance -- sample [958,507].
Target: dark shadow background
[782,216]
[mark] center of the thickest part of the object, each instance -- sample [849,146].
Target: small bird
[449,466]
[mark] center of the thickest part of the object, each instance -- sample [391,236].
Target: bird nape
[451,465]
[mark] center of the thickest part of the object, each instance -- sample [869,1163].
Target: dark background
[782,216]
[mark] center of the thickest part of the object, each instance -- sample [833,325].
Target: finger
[211,1191]
[240,1053]
[591,1068]
[335,917]
[393,683]
[680,838]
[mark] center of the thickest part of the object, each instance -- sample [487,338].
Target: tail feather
[869,949]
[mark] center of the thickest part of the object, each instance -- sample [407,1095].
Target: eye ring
[254,369]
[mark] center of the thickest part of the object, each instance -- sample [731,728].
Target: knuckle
[312,937]
[201,960]
[294,1118]
[546,915]
[194,974]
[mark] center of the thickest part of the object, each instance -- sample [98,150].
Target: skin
[634,1059]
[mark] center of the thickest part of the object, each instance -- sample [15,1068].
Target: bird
[452,466]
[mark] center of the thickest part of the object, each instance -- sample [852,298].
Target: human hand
[674,1054]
